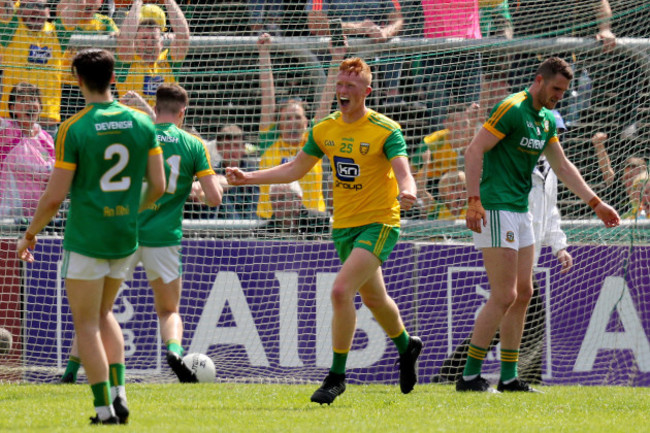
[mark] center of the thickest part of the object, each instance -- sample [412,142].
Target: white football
[6,341]
[201,365]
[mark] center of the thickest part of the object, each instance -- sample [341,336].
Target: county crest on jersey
[524,133]
[364,185]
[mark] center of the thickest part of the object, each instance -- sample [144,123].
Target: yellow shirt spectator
[144,78]
[279,153]
[33,55]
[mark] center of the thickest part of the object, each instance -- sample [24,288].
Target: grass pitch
[363,408]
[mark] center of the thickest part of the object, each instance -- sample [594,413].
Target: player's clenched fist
[475,215]
[235,176]
[406,200]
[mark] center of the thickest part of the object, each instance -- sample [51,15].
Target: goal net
[258,269]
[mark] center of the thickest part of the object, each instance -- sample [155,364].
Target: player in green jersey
[102,154]
[499,162]
[160,227]
[371,179]
[160,230]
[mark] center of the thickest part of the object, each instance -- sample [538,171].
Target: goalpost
[257,301]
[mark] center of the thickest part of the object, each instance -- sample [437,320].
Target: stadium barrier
[263,318]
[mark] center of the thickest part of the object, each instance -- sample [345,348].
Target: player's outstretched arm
[284,173]
[571,177]
[48,205]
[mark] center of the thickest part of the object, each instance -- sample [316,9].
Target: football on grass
[201,365]
[6,341]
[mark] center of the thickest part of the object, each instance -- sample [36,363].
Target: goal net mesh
[255,294]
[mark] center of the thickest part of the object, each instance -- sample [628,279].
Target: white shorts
[158,262]
[79,267]
[505,229]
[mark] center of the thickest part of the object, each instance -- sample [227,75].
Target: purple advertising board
[261,309]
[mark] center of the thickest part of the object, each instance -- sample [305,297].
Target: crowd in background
[453,93]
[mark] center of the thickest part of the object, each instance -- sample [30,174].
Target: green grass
[363,408]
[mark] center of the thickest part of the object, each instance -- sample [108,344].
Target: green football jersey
[508,166]
[107,145]
[185,156]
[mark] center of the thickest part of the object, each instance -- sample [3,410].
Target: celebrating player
[160,227]
[372,179]
[506,150]
[102,154]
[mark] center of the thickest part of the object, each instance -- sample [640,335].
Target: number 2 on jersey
[109,181]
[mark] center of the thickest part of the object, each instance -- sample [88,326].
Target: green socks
[338,362]
[509,361]
[175,346]
[475,357]
[71,370]
[102,394]
[401,341]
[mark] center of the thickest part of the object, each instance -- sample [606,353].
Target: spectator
[32,53]
[143,63]
[78,17]
[443,150]
[27,167]
[496,22]
[453,197]
[634,166]
[377,20]
[284,130]
[278,17]
[238,202]
[636,191]
[266,16]
[450,79]
[576,18]
[290,217]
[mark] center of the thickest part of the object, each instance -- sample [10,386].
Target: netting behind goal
[255,290]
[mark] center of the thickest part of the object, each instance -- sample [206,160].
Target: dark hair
[95,68]
[553,66]
[22,89]
[171,98]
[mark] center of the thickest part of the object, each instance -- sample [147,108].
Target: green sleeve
[508,121]
[416,158]
[62,34]
[267,138]
[395,145]
[311,148]
[8,30]
[201,152]
[121,70]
